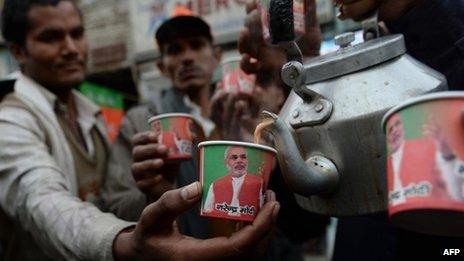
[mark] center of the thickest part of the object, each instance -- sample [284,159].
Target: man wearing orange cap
[188,59]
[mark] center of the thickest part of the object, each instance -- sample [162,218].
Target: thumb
[159,216]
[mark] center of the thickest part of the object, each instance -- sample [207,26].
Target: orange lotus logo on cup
[234,176]
[176,132]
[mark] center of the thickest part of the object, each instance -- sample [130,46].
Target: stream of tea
[259,129]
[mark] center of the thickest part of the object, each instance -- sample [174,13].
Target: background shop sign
[224,16]
[108,33]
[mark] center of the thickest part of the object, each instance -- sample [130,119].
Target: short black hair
[182,27]
[15,23]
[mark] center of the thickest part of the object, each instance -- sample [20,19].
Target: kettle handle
[370,26]
[281,27]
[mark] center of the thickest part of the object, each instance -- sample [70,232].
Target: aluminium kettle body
[331,147]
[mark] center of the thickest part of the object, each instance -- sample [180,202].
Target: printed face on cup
[234,79]
[176,132]
[234,178]
[395,132]
[237,161]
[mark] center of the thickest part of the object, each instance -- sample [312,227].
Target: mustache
[70,61]
[189,68]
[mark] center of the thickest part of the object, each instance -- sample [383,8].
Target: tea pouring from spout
[317,175]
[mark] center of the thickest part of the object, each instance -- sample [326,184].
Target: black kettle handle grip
[281,27]
[281,21]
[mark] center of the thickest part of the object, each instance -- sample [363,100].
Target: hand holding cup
[157,237]
[152,173]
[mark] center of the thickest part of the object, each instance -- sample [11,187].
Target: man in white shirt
[188,59]
[54,152]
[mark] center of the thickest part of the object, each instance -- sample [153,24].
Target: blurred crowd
[66,192]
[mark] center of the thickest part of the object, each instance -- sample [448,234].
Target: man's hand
[266,60]
[152,174]
[389,10]
[258,55]
[156,235]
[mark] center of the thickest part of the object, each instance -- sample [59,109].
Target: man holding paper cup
[188,59]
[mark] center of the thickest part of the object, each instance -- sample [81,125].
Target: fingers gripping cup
[234,176]
[425,163]
[176,131]
[234,79]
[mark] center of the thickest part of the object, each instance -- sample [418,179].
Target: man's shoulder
[14,110]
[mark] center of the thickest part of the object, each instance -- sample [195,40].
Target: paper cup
[176,131]
[234,176]
[425,167]
[234,79]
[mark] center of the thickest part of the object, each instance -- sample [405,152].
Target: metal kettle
[330,145]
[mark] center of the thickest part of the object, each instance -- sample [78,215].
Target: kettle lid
[350,58]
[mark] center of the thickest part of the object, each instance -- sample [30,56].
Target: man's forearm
[62,224]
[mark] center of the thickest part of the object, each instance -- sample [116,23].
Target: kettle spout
[317,175]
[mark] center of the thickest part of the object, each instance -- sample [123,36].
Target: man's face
[55,50]
[189,63]
[237,161]
[395,133]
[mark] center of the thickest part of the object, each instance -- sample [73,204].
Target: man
[237,116]
[237,189]
[53,146]
[188,59]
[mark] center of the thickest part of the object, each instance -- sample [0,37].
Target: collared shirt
[236,185]
[86,111]
[195,110]
[38,183]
